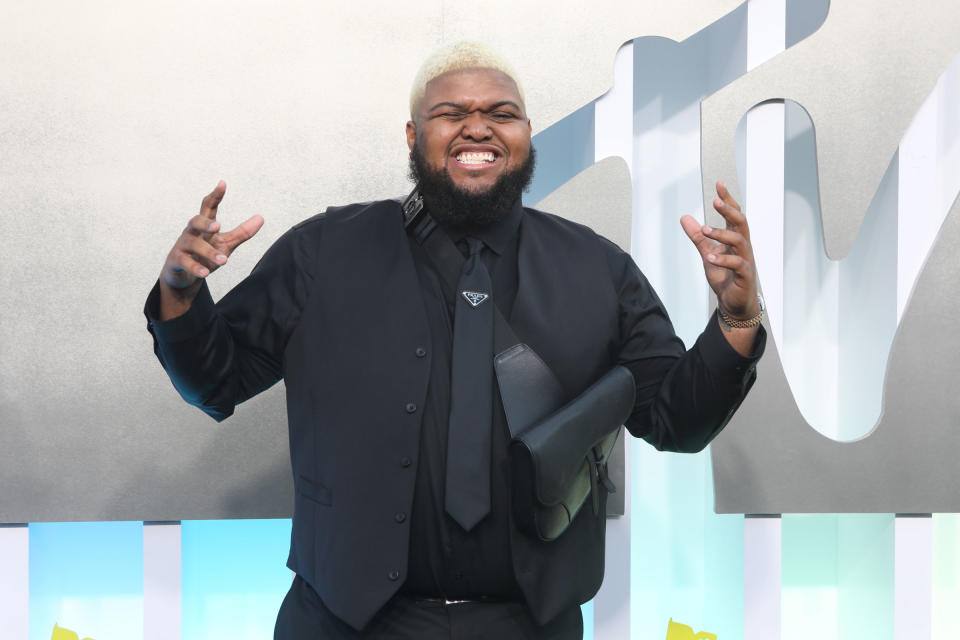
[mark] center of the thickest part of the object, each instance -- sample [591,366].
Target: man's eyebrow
[447,104]
[495,105]
[505,103]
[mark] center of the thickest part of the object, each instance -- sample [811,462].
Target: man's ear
[411,134]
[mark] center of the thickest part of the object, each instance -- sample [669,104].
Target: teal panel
[945,592]
[586,610]
[723,565]
[234,577]
[837,576]
[866,572]
[686,562]
[87,577]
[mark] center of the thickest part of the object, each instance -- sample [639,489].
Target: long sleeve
[218,355]
[684,397]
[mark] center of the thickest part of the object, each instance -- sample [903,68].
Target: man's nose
[476,127]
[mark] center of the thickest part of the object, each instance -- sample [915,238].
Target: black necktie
[471,401]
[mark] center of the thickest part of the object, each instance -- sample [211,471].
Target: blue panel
[837,576]
[803,18]
[723,607]
[87,577]
[686,562]
[563,150]
[586,610]
[809,576]
[234,577]
[946,574]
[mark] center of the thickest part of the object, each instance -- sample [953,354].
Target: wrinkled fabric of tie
[467,497]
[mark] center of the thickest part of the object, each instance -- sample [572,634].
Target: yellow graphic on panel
[59,633]
[677,631]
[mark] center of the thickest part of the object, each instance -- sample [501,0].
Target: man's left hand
[727,257]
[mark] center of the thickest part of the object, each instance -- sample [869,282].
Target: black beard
[466,210]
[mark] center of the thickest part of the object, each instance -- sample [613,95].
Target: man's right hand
[200,250]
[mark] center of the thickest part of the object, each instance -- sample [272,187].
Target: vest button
[411,407]
[405,461]
[394,575]
[421,352]
[400,516]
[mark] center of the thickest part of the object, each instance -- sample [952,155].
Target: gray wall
[116,119]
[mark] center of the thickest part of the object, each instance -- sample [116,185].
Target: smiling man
[403,525]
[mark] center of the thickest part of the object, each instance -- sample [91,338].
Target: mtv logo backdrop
[837,124]
[855,410]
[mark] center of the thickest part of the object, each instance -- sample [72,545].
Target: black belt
[445,602]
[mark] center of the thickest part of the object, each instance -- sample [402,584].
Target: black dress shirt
[446,561]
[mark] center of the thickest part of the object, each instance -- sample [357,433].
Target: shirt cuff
[722,358]
[192,323]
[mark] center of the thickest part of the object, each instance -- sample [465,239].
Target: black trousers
[303,616]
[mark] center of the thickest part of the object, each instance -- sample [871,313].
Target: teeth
[476,157]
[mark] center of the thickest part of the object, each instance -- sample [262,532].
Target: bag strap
[449,262]
[513,360]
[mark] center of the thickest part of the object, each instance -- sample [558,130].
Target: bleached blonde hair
[458,56]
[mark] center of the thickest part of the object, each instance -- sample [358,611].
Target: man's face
[471,125]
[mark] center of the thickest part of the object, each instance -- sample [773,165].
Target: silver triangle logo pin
[475,298]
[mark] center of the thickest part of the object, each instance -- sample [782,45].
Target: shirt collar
[496,236]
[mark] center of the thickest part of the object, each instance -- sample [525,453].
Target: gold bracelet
[743,324]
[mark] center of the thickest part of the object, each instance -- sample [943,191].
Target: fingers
[729,261]
[727,237]
[181,269]
[725,195]
[202,248]
[197,255]
[707,239]
[730,209]
[191,266]
[693,230]
[210,202]
[727,254]
[242,232]
[200,224]
[193,256]
[199,250]
[731,213]
[719,247]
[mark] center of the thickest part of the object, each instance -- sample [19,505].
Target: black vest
[356,386]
